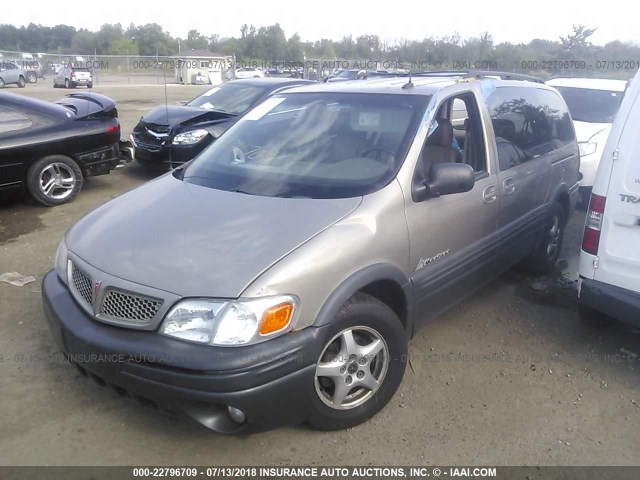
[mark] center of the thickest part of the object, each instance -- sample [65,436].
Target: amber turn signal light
[276,318]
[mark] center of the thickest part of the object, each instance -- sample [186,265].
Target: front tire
[361,365]
[54,180]
[547,250]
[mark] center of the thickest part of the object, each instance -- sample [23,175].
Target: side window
[11,121]
[457,136]
[528,122]
[560,124]
[459,113]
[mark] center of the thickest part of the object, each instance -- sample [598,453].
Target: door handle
[490,194]
[509,186]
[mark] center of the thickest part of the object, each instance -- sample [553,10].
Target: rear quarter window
[528,122]
[12,121]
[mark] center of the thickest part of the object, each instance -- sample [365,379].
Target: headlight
[587,148]
[228,323]
[189,138]
[61,261]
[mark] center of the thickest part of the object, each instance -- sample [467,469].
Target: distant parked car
[32,66]
[249,72]
[49,148]
[593,104]
[353,74]
[170,135]
[11,73]
[71,77]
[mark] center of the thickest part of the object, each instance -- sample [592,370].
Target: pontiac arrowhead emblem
[95,290]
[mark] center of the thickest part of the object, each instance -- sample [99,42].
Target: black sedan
[170,135]
[49,148]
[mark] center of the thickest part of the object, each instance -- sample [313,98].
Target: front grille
[147,141]
[128,307]
[82,284]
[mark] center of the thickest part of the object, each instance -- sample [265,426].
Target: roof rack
[479,74]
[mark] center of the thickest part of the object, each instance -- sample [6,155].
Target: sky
[508,21]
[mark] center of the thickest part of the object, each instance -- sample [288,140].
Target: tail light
[73,76]
[593,225]
[113,128]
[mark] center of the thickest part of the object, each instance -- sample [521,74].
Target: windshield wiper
[237,190]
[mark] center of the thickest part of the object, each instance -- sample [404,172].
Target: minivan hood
[177,114]
[197,241]
[586,130]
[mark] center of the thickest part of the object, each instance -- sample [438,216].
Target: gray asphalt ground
[509,377]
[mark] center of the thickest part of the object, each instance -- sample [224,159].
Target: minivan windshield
[591,105]
[234,98]
[313,145]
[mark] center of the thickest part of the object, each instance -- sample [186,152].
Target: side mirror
[445,179]
[449,178]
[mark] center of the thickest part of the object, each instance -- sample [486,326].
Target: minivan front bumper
[272,383]
[616,302]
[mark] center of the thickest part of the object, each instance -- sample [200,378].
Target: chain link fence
[160,70]
[126,69]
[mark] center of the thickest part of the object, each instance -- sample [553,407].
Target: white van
[593,103]
[609,270]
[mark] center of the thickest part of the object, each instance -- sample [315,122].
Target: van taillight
[593,225]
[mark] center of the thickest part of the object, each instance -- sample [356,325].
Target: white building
[201,67]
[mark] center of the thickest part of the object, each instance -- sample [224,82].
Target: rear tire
[54,180]
[90,85]
[361,365]
[1,83]
[594,318]
[546,252]
[21,82]
[32,77]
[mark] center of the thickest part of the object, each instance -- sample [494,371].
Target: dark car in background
[49,148]
[353,74]
[170,135]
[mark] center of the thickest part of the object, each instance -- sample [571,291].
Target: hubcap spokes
[351,368]
[57,181]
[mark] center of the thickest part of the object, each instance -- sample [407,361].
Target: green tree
[577,43]
[123,46]
[196,40]
[107,35]
[84,42]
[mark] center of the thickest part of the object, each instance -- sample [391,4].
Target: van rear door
[619,251]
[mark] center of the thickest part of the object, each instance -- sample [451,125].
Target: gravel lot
[509,377]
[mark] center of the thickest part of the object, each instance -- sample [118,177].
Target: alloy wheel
[351,368]
[57,181]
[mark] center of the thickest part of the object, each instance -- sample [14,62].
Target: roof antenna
[409,84]
[166,110]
